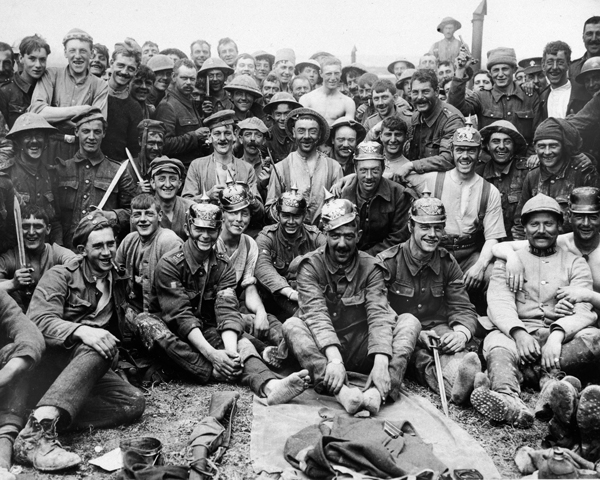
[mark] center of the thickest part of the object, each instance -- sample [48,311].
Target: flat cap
[152,126]
[160,62]
[531,65]
[78,34]
[253,123]
[89,223]
[91,113]
[165,164]
[219,119]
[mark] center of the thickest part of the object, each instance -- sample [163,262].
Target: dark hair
[483,72]
[271,77]
[553,48]
[382,85]
[201,42]
[35,211]
[127,51]
[4,47]
[591,21]
[149,42]
[102,49]
[445,64]
[365,78]
[145,73]
[32,43]
[425,75]
[225,41]
[183,62]
[445,82]
[144,201]
[394,122]
[174,51]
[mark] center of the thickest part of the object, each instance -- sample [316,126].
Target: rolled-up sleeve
[266,274]
[227,308]
[380,317]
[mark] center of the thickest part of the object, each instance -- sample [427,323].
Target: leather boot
[463,383]
[37,445]
[563,404]
[547,382]
[588,421]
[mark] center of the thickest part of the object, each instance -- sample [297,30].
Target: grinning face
[146,220]
[591,39]
[263,67]
[423,97]
[556,68]
[245,66]
[90,136]
[166,185]
[123,69]
[342,243]
[140,89]
[306,133]
[228,53]
[78,53]
[200,53]
[586,226]
[98,64]
[154,145]
[501,147]
[34,63]
[344,142]
[383,103]
[284,71]
[100,250]
[592,82]
[465,158]
[392,141]
[502,74]
[269,89]
[35,232]
[236,223]
[291,222]
[204,238]
[216,80]
[242,100]
[550,153]
[368,174]
[281,113]
[32,143]
[163,79]
[332,76]
[223,139]
[426,236]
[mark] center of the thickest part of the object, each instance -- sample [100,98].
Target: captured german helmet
[336,212]
[428,209]
[204,214]
[466,136]
[584,200]
[292,201]
[235,196]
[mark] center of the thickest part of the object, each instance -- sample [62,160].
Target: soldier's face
[32,143]
[34,63]
[465,158]
[541,229]
[393,141]
[291,222]
[280,114]
[269,89]
[423,96]
[78,53]
[383,103]
[556,67]
[591,39]
[216,80]
[100,250]
[332,76]
[90,136]
[502,74]
[6,64]
[312,74]
[145,220]
[140,89]
[549,152]
[185,79]
[368,174]
[252,140]
[592,82]
[148,51]
[245,66]
[482,82]
[426,236]
[123,69]
[501,147]
[448,31]
[284,71]
[237,222]
[228,53]
[242,100]
[163,79]
[341,243]
[300,87]
[586,226]
[399,68]
[306,132]
[204,238]
[154,145]
[166,185]
[223,139]
[263,67]
[35,231]
[98,63]
[200,53]
[344,142]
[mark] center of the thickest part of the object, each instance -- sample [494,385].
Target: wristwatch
[336,361]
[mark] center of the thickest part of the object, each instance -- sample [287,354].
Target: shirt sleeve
[193,183]
[502,306]
[101,97]
[380,317]
[8,265]
[493,222]
[248,277]
[43,92]
[467,104]
[265,271]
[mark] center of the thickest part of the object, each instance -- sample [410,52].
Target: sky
[380,29]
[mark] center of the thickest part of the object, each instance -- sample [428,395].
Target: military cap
[278,98]
[406,76]
[446,20]
[260,54]
[78,34]
[244,83]
[584,200]
[361,132]
[215,63]
[204,214]
[307,63]
[369,151]
[93,221]
[540,203]
[235,196]
[90,113]
[220,119]
[253,123]
[531,65]
[401,59]
[160,62]
[30,121]
[359,67]
[165,164]
[428,209]
[504,126]
[299,112]
[151,126]
[590,65]
[292,201]
[286,54]
[501,55]
[336,212]
[466,136]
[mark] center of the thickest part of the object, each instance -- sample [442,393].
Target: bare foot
[282,391]
[350,398]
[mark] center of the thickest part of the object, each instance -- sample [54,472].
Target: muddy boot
[150,330]
[36,445]
[542,408]
[463,384]
[588,421]
[563,404]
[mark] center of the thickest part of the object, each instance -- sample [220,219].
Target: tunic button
[83,211]
[422,289]
[87,181]
[508,114]
[335,314]
[419,306]
[551,181]
[87,166]
[85,196]
[397,291]
[544,282]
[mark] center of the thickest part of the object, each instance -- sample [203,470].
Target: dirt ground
[173,410]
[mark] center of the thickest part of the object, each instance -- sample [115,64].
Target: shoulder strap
[485,195]
[439,185]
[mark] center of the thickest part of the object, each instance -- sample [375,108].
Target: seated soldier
[76,307]
[242,252]
[194,294]
[426,282]
[20,280]
[278,245]
[166,177]
[345,321]
[21,347]
[529,335]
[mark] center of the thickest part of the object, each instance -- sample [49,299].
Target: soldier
[76,307]
[245,93]
[253,135]
[162,66]
[216,71]
[345,322]
[84,179]
[278,245]
[425,282]
[205,329]
[151,140]
[346,135]
[279,107]
[447,49]
[34,183]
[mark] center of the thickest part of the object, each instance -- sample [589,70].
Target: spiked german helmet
[336,212]
[292,201]
[466,136]
[428,209]
[204,214]
[235,196]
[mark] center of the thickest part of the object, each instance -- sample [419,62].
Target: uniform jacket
[434,293]
[429,144]
[15,98]
[356,300]
[276,253]
[186,295]
[587,122]
[384,218]
[280,144]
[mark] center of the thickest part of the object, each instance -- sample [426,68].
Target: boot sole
[563,398]
[588,413]
[489,404]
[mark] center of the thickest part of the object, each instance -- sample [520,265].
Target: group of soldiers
[229,218]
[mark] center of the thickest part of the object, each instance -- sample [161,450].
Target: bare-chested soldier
[327,99]
[583,241]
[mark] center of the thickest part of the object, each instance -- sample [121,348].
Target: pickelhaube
[336,212]
[235,196]
[466,136]
[428,209]
[205,214]
[30,121]
[292,201]
[584,200]
[540,203]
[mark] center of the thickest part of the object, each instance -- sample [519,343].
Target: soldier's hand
[453,342]
[360,111]
[335,377]
[202,133]
[213,193]
[551,350]
[528,347]
[424,338]
[23,278]
[529,88]
[207,108]
[474,276]
[337,188]
[403,172]
[462,60]
[265,174]
[533,161]
[564,308]
[145,186]
[574,294]
[260,325]
[226,364]
[380,376]
[515,273]
[12,370]
[104,342]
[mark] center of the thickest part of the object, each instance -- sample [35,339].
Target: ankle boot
[562,427]
[588,421]
[547,382]
[37,445]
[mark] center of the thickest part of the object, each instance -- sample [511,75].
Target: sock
[350,398]
[372,400]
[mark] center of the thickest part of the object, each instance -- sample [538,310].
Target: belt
[462,242]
